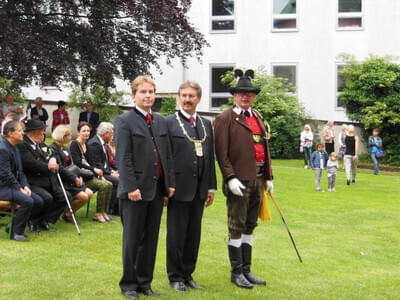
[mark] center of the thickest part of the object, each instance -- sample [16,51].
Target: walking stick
[69,204]
[286,225]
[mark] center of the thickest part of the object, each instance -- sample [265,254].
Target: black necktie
[246,113]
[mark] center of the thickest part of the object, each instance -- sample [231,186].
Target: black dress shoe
[193,284]
[131,295]
[254,280]
[241,281]
[178,286]
[20,238]
[148,292]
[46,226]
[33,227]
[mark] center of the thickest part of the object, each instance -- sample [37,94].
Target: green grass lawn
[349,241]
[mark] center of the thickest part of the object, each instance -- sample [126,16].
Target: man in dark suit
[99,153]
[192,144]
[145,165]
[13,184]
[39,112]
[41,170]
[91,117]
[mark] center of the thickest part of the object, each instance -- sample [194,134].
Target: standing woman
[375,145]
[306,142]
[350,155]
[60,115]
[80,193]
[98,182]
[342,145]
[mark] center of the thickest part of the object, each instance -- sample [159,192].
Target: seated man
[13,184]
[41,170]
[98,156]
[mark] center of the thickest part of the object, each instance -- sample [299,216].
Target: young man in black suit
[192,144]
[146,177]
[13,184]
[91,117]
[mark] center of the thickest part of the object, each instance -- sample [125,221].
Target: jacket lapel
[240,120]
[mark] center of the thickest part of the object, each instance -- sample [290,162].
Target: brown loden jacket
[234,147]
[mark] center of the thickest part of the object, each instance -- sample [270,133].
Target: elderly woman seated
[80,193]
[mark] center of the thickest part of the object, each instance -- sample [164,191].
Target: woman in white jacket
[306,142]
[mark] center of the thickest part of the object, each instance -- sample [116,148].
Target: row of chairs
[7,209]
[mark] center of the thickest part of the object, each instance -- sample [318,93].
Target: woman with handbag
[375,149]
[97,182]
[80,193]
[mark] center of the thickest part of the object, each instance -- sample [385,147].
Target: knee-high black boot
[237,277]
[246,252]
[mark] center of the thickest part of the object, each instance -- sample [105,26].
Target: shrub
[168,106]
[105,102]
[371,96]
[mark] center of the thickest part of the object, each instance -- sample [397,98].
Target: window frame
[288,64]
[337,92]
[350,15]
[218,94]
[284,17]
[223,18]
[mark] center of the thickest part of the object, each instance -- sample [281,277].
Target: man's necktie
[191,120]
[246,114]
[149,118]
[110,156]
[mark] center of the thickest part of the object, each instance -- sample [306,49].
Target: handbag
[86,174]
[78,172]
[379,154]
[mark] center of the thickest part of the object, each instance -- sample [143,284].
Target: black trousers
[330,147]
[53,205]
[113,209]
[141,225]
[183,238]
[29,207]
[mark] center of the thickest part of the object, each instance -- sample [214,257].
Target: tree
[168,106]
[92,41]
[371,96]
[278,104]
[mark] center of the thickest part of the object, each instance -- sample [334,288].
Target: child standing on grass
[318,163]
[332,167]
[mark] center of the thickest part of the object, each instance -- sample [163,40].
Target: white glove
[236,187]
[270,186]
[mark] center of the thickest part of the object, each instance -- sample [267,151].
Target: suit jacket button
[155,164]
[154,177]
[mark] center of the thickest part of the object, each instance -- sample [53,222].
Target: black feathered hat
[34,124]
[244,84]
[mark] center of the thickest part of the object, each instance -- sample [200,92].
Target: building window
[284,15]
[219,91]
[286,71]
[223,15]
[340,84]
[350,14]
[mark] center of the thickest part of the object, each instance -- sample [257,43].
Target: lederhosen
[243,211]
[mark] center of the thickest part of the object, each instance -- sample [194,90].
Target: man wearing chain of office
[241,146]
[192,145]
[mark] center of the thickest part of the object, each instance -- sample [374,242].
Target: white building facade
[296,39]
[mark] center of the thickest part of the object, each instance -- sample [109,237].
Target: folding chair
[7,209]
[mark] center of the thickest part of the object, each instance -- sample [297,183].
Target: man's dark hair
[60,103]
[9,127]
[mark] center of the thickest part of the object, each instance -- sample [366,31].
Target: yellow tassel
[264,212]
